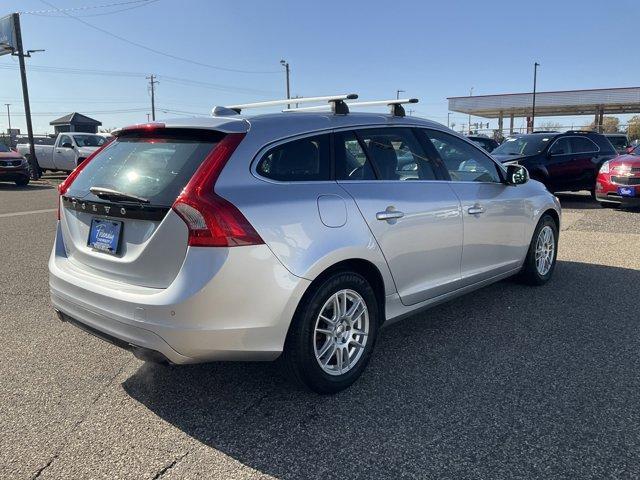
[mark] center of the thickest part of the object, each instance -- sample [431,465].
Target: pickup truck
[65,152]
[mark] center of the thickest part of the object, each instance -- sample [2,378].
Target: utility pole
[9,116]
[148,117]
[471,95]
[35,171]
[285,64]
[153,82]
[398,92]
[533,107]
[448,119]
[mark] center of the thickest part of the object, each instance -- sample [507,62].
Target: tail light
[64,186]
[212,220]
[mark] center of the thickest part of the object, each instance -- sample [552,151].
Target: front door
[65,156]
[414,215]
[494,214]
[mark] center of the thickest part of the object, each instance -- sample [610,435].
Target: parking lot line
[30,212]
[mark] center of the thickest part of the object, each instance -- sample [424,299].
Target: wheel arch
[363,267]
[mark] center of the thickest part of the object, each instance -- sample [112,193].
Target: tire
[304,343]
[23,182]
[531,273]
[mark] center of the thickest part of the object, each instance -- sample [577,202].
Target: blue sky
[430,49]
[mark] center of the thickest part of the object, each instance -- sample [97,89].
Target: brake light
[212,220]
[64,186]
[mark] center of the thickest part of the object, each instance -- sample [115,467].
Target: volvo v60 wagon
[292,235]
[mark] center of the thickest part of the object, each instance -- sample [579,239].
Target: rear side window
[582,145]
[303,160]
[154,165]
[396,154]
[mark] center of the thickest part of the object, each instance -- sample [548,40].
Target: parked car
[294,234]
[619,141]
[66,152]
[489,144]
[618,182]
[566,161]
[13,167]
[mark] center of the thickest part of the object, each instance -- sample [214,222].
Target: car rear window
[154,165]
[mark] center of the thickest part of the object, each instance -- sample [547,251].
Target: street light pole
[398,92]
[9,116]
[533,107]
[471,95]
[285,64]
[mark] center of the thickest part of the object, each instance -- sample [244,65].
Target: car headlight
[605,167]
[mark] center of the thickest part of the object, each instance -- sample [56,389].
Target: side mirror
[67,145]
[517,175]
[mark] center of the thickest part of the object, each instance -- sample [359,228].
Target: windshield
[523,145]
[152,165]
[89,140]
[4,148]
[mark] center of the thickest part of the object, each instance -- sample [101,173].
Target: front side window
[562,146]
[464,162]
[65,140]
[90,140]
[396,154]
[582,145]
[303,160]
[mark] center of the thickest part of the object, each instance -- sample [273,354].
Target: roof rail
[396,106]
[336,102]
[580,131]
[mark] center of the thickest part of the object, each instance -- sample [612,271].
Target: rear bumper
[225,304]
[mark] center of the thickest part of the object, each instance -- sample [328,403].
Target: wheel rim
[341,331]
[545,250]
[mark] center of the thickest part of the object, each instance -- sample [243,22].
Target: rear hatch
[116,217]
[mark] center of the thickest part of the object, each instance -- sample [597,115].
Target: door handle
[475,210]
[389,214]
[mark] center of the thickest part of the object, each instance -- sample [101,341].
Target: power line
[153,50]
[136,3]
[170,79]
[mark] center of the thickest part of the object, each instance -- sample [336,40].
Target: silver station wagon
[294,235]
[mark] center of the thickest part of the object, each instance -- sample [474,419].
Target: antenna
[336,102]
[397,109]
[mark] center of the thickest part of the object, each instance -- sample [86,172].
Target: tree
[549,126]
[609,125]
[633,128]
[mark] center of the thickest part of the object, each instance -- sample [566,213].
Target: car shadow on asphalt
[26,188]
[510,381]
[578,201]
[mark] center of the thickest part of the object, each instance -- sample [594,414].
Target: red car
[13,167]
[618,182]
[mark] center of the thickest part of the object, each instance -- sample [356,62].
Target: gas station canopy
[549,104]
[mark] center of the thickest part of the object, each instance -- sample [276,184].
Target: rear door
[149,239]
[585,159]
[413,214]
[494,214]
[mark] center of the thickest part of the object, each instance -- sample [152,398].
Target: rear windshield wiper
[116,196]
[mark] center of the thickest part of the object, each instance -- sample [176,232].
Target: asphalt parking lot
[509,382]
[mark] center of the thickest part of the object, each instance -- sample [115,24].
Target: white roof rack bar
[396,106]
[335,101]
